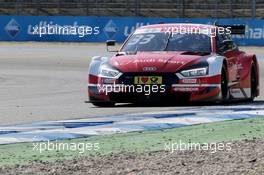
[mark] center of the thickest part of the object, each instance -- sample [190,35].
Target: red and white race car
[172,63]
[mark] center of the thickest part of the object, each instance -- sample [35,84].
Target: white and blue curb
[105,125]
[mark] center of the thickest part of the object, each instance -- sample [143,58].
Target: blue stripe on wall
[100,29]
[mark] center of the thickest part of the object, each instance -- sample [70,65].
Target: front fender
[95,64]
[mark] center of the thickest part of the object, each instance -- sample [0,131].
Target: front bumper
[176,90]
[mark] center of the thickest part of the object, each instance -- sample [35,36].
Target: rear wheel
[253,82]
[103,104]
[224,85]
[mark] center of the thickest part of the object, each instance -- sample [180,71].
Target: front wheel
[253,83]
[224,85]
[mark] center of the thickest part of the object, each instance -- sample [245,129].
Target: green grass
[23,153]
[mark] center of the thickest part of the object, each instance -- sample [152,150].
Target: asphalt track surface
[48,81]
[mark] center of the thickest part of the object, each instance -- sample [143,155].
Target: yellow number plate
[148,80]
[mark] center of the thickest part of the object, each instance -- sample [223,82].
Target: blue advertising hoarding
[100,29]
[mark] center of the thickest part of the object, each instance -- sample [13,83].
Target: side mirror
[110,43]
[225,45]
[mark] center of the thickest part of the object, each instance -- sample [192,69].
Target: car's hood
[155,61]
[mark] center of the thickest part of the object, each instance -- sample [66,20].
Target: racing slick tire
[224,85]
[253,82]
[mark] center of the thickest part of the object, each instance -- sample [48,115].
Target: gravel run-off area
[245,157]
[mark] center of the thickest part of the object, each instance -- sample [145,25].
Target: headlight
[109,72]
[195,72]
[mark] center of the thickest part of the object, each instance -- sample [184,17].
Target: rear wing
[235,29]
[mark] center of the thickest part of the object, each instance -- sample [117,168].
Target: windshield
[162,41]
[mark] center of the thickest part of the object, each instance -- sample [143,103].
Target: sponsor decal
[12,28]
[189,81]
[109,80]
[130,29]
[148,80]
[185,89]
[158,61]
[251,33]
[110,29]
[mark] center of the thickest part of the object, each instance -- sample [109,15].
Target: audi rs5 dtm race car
[175,62]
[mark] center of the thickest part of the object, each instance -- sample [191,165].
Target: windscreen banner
[100,29]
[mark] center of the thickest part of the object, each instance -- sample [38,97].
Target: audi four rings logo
[149,69]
